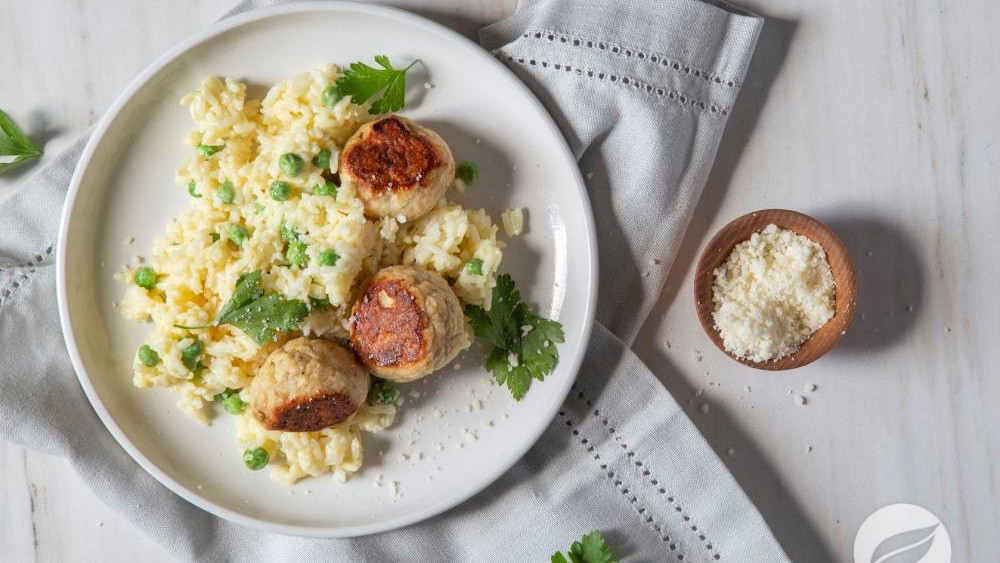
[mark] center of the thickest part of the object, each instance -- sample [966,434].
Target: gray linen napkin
[642,91]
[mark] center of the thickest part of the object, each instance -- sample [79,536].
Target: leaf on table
[592,548]
[15,146]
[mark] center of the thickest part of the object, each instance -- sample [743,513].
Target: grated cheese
[771,294]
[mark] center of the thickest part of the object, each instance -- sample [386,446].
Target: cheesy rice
[197,262]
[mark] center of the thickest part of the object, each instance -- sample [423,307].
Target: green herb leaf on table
[15,146]
[592,548]
[361,82]
[524,344]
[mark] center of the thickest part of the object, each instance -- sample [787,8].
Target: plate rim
[95,139]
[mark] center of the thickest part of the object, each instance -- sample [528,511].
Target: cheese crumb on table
[771,294]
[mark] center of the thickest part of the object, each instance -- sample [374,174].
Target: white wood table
[880,118]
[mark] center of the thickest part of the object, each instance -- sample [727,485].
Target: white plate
[123,187]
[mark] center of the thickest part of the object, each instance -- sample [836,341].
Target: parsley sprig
[259,315]
[590,549]
[361,82]
[524,344]
[15,146]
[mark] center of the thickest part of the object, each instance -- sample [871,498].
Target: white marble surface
[877,117]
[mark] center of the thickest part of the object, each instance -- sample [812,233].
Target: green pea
[238,234]
[192,186]
[290,164]
[145,277]
[328,258]
[231,401]
[468,172]
[382,392]
[322,159]
[296,254]
[225,192]
[148,356]
[474,266]
[208,150]
[234,404]
[255,459]
[191,357]
[279,191]
[326,188]
[331,95]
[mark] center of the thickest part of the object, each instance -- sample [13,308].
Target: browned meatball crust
[407,324]
[397,167]
[306,385]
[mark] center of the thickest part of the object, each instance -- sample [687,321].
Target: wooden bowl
[739,230]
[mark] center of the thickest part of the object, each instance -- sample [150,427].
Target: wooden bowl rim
[845,281]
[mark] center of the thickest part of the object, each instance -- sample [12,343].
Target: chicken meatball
[306,385]
[407,324]
[398,168]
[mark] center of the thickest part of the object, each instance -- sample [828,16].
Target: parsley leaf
[247,289]
[259,315]
[539,342]
[15,146]
[361,82]
[590,549]
[262,318]
[524,344]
